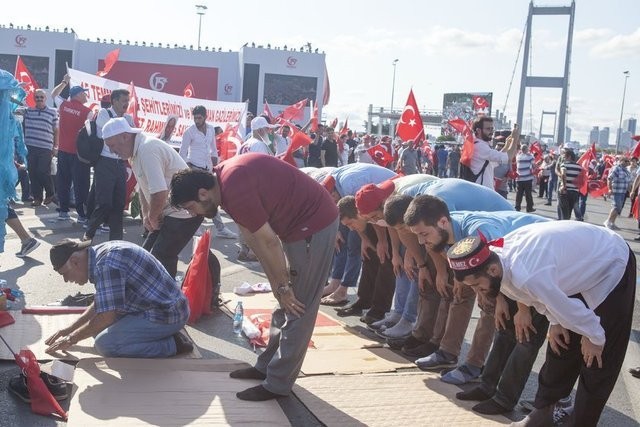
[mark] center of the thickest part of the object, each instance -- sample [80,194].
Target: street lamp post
[624,93]
[393,86]
[200,10]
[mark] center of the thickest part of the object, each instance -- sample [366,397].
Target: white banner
[154,107]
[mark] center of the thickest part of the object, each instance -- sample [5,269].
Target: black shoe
[78,300]
[476,393]
[422,350]
[248,374]
[353,309]
[370,318]
[548,204]
[183,344]
[257,394]
[531,210]
[490,407]
[396,343]
[635,371]
[56,386]
[637,239]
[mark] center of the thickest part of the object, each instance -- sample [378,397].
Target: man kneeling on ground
[138,310]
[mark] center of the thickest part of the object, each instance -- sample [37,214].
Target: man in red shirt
[72,113]
[290,221]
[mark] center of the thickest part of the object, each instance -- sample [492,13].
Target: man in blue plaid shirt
[138,310]
[618,184]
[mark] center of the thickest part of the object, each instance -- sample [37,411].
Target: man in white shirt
[587,295]
[154,162]
[109,175]
[259,141]
[199,150]
[282,141]
[483,153]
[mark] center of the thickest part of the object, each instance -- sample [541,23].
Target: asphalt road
[214,335]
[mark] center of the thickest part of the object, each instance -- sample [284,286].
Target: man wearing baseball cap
[587,295]
[259,141]
[154,163]
[72,114]
[137,311]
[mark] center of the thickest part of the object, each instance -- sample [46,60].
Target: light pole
[393,86]
[624,93]
[200,10]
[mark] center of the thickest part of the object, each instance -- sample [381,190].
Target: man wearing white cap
[154,163]
[259,141]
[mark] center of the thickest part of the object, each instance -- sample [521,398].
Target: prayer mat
[136,392]
[341,338]
[31,331]
[352,361]
[406,399]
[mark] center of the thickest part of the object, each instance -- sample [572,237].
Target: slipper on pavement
[333,303]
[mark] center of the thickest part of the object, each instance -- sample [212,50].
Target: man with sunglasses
[41,137]
[485,158]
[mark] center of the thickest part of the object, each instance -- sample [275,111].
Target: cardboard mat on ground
[353,361]
[31,330]
[175,392]
[263,304]
[407,399]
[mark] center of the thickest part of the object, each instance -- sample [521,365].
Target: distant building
[603,138]
[625,140]
[630,125]
[567,134]
[594,136]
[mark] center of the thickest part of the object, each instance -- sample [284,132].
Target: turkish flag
[267,112]
[42,401]
[334,123]
[584,161]
[536,150]
[380,155]
[479,102]
[635,209]
[133,104]
[188,91]
[467,148]
[295,111]
[197,280]
[636,150]
[314,118]
[410,125]
[327,88]
[345,127]
[26,80]
[597,188]
[299,140]
[109,61]
[130,184]
[228,143]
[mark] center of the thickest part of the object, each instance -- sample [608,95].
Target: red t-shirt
[72,117]
[256,189]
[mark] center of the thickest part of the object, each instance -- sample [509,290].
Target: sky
[441,46]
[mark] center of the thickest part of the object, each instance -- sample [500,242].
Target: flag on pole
[410,126]
[334,123]
[467,148]
[314,117]
[28,83]
[299,140]
[109,60]
[132,109]
[295,111]
[345,127]
[379,155]
[188,91]
[228,142]
[267,112]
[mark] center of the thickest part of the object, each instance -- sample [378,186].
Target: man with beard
[290,222]
[486,157]
[437,228]
[587,295]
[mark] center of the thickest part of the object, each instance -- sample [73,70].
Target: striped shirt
[129,280]
[39,127]
[524,165]
[571,171]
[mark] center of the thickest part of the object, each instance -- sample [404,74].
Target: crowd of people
[421,245]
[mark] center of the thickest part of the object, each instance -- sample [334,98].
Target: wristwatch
[281,290]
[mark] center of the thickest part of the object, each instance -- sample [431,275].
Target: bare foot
[333,285]
[337,297]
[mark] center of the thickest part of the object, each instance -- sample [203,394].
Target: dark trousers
[524,188]
[377,281]
[39,164]
[509,363]
[559,372]
[543,183]
[109,177]
[25,187]
[166,243]
[566,202]
[72,170]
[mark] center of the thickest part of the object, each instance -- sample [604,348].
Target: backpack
[88,145]
[468,175]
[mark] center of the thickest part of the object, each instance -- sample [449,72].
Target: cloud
[591,35]
[456,41]
[619,45]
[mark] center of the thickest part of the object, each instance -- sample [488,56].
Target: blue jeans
[580,207]
[405,299]
[551,186]
[135,336]
[347,262]
[509,363]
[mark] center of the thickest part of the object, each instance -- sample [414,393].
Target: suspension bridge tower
[548,82]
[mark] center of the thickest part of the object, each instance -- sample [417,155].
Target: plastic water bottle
[237,319]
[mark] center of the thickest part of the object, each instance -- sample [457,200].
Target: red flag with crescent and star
[28,83]
[109,61]
[345,127]
[295,111]
[467,147]
[314,118]
[410,125]
[188,91]
[299,140]
[380,155]
[228,142]
[479,102]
